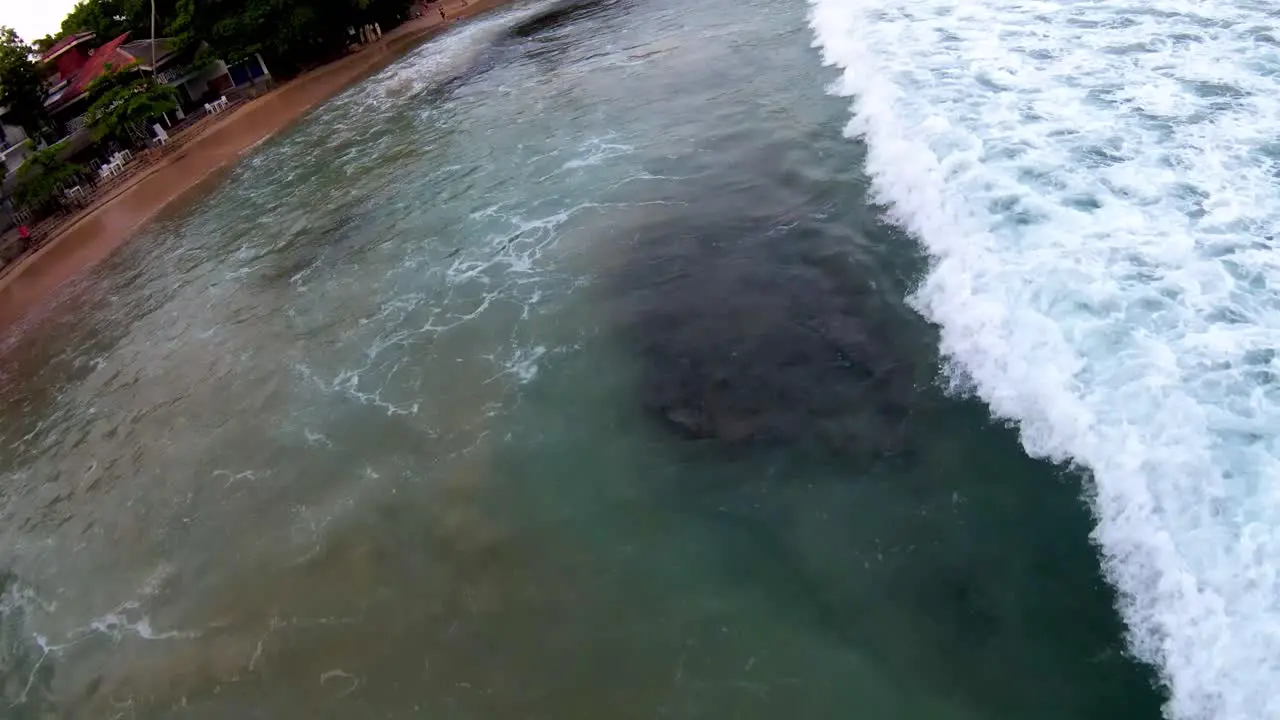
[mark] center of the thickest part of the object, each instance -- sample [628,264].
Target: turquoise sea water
[588,363]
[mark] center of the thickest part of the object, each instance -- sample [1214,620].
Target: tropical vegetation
[42,178]
[21,86]
[290,36]
[123,102]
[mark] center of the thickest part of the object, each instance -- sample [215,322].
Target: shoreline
[91,238]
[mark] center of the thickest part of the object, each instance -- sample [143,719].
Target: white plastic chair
[162,137]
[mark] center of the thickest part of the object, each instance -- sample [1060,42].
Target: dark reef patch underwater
[748,336]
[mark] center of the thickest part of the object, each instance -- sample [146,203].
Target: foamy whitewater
[1096,184]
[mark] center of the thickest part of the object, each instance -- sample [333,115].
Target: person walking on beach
[442,15]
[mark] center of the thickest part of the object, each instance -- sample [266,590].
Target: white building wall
[12,134]
[13,149]
[198,85]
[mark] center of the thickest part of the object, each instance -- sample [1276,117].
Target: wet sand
[188,173]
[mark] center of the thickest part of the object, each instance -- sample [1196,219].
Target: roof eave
[82,37]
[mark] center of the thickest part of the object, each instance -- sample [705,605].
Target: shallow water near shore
[565,368]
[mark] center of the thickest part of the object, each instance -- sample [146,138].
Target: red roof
[66,42]
[97,65]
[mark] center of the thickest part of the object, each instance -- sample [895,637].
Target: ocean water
[1098,195]
[639,359]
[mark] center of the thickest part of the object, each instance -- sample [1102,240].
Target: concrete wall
[14,158]
[14,151]
[197,86]
[12,134]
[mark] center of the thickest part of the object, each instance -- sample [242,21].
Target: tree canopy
[289,35]
[123,103]
[109,18]
[21,88]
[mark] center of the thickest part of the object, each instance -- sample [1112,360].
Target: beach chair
[114,165]
[76,195]
[162,137]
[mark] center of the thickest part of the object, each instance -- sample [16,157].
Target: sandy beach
[186,174]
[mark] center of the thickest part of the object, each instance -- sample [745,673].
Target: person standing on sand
[442,15]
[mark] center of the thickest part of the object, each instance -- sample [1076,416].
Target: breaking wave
[1095,184]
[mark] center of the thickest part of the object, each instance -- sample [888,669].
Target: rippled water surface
[568,368]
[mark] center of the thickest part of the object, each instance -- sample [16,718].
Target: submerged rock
[762,336]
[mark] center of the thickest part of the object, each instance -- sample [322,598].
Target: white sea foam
[1096,185]
[118,625]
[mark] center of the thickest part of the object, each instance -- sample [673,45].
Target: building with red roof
[69,54]
[77,64]
[99,60]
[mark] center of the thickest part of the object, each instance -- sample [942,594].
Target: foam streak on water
[1096,186]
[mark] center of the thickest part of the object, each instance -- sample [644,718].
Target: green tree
[21,89]
[289,35]
[42,178]
[123,104]
[112,78]
[107,18]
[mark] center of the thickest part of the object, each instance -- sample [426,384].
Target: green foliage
[105,17]
[112,78]
[42,177]
[289,35]
[109,18]
[124,102]
[21,89]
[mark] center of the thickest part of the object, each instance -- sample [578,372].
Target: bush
[41,179]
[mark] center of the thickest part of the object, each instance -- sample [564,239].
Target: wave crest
[1096,187]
